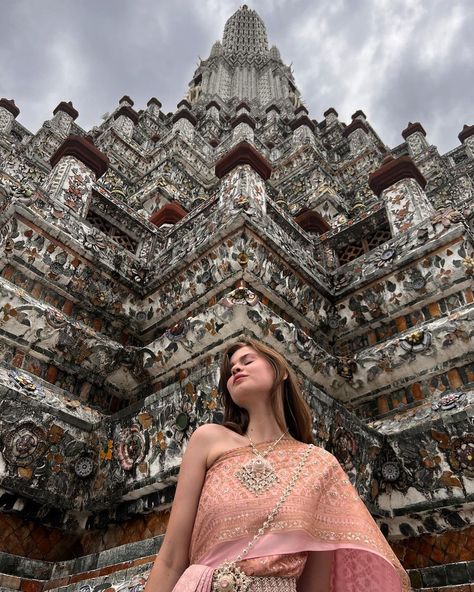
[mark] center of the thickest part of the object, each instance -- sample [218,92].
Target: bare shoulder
[215,440]
[210,432]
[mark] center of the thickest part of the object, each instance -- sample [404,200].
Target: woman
[258,507]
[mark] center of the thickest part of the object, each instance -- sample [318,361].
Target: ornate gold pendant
[257,475]
[230,578]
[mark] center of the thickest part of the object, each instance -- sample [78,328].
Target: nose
[235,369]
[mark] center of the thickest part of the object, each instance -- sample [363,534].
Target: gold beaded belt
[272,584]
[264,584]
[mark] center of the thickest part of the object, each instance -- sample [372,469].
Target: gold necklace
[258,474]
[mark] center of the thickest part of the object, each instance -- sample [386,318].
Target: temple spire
[243,67]
[245,33]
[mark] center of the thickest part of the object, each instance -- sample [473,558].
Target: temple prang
[133,252]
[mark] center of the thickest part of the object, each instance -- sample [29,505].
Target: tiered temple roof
[134,251]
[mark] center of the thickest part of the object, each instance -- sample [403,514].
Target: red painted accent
[393,170]
[128,112]
[411,128]
[9,105]
[213,104]
[243,118]
[170,213]
[301,109]
[84,150]
[272,108]
[67,108]
[184,114]
[243,153]
[329,111]
[357,114]
[303,120]
[243,105]
[352,127]
[127,99]
[467,132]
[183,103]
[311,221]
[154,101]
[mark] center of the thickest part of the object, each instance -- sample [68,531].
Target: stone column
[401,186]
[243,124]
[303,129]
[358,135]
[273,114]
[8,113]
[153,107]
[213,110]
[64,115]
[243,128]
[243,172]
[331,116]
[184,120]
[466,137]
[415,136]
[77,163]
[125,119]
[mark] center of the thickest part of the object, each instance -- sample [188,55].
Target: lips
[238,376]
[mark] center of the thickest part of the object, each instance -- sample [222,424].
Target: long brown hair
[287,402]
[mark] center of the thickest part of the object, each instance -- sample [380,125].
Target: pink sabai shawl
[323,513]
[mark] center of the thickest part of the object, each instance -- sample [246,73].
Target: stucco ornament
[24,444]
[344,447]
[132,447]
[390,471]
[84,466]
[461,456]
[449,401]
[416,342]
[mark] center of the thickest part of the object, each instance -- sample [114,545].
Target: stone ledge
[67,108]
[10,106]
[394,170]
[413,128]
[243,153]
[127,111]
[84,150]
[453,575]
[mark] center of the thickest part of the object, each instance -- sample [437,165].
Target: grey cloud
[347,54]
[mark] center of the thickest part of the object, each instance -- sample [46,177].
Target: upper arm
[316,575]
[175,548]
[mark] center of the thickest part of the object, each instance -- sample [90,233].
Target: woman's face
[251,376]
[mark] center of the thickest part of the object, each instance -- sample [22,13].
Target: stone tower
[134,251]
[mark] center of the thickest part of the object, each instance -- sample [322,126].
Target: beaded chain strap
[230,578]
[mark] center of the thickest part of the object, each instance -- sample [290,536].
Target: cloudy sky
[397,60]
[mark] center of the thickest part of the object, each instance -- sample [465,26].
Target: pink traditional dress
[322,513]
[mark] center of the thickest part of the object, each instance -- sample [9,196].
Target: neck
[264,429]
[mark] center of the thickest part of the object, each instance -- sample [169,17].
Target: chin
[239,401]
